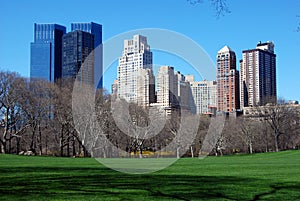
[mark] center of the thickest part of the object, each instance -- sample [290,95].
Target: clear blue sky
[248,23]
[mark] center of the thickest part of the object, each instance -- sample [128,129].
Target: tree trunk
[74,146]
[267,144]
[61,142]
[32,148]
[177,152]
[9,145]
[250,148]
[68,144]
[46,144]
[18,145]
[192,152]
[141,153]
[40,137]
[276,142]
[3,147]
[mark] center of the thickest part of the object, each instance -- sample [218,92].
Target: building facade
[114,88]
[183,91]
[96,30]
[135,75]
[46,52]
[227,81]
[204,95]
[78,59]
[167,87]
[258,76]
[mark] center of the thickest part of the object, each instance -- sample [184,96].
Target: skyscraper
[258,75]
[167,87]
[46,52]
[204,95]
[135,75]
[77,50]
[96,30]
[227,81]
[183,91]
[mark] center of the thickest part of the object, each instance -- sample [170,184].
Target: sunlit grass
[270,176]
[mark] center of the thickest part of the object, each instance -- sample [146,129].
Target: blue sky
[250,21]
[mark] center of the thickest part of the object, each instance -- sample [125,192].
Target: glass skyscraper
[46,52]
[96,30]
[77,50]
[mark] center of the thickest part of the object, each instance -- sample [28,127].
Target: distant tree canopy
[37,116]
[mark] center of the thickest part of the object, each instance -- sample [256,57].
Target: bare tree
[220,6]
[66,136]
[38,107]
[281,117]
[13,121]
[214,139]
[247,131]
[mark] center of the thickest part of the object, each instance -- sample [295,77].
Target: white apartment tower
[204,94]
[135,75]
[167,87]
[258,76]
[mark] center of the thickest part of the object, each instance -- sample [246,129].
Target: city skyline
[231,91]
[197,22]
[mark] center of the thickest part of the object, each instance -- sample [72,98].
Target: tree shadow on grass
[71,183]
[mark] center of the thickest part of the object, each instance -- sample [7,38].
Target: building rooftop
[225,49]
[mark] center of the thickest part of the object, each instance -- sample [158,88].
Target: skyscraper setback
[46,52]
[227,81]
[135,75]
[258,75]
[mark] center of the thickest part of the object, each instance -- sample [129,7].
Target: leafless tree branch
[220,6]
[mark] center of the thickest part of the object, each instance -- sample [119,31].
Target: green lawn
[270,176]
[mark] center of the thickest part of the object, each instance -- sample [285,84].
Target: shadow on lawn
[102,183]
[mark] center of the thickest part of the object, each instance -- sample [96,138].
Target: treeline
[37,118]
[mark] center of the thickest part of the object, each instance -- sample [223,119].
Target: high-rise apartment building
[227,81]
[145,87]
[46,52]
[135,75]
[183,91]
[78,56]
[204,95]
[167,87]
[96,30]
[258,76]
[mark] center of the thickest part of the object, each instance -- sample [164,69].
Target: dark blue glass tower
[77,50]
[96,30]
[46,51]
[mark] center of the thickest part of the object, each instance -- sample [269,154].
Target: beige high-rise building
[135,75]
[258,76]
[204,95]
[227,81]
[167,87]
[145,87]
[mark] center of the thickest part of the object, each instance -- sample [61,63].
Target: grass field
[270,176]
